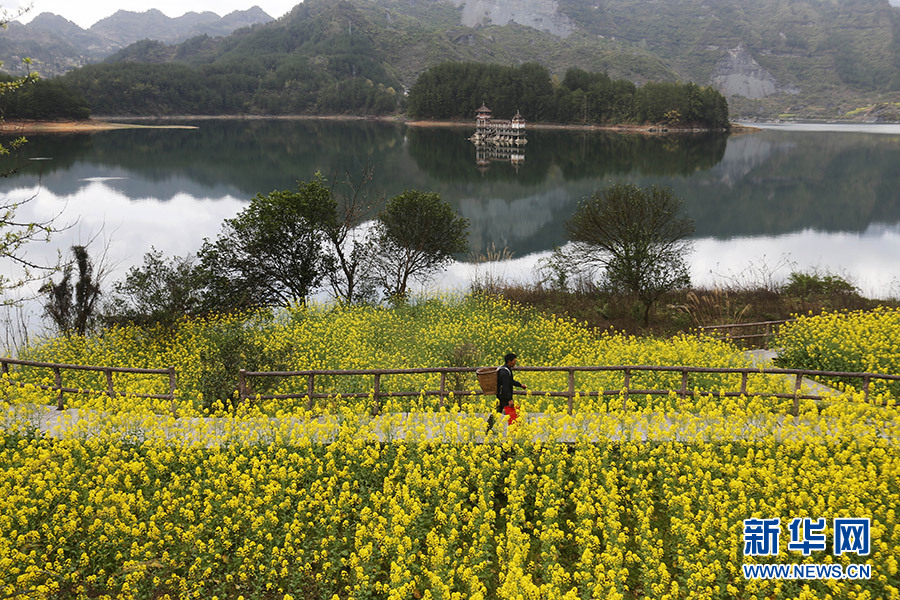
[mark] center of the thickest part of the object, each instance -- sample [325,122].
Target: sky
[85,14]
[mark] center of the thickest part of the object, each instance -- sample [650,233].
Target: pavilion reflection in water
[485,154]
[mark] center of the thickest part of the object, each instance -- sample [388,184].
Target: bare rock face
[539,14]
[738,74]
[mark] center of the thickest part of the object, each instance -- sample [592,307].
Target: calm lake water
[764,204]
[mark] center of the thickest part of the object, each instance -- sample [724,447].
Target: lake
[785,198]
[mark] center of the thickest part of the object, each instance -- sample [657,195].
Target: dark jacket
[505,383]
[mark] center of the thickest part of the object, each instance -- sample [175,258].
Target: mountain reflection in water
[765,185]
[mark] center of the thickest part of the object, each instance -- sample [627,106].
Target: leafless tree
[350,281]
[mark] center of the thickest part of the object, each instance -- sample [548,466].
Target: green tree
[638,236]
[415,235]
[73,309]
[273,253]
[159,291]
[43,100]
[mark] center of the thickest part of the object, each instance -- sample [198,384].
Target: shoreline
[109,123]
[619,128]
[87,126]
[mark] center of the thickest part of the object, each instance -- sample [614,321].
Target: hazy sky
[86,14]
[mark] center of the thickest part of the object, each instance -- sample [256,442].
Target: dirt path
[764,358]
[446,427]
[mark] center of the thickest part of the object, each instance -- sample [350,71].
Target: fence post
[57,379]
[443,388]
[627,387]
[797,386]
[311,388]
[866,380]
[5,368]
[571,389]
[377,408]
[768,334]
[684,377]
[744,383]
[173,382]
[242,386]
[109,383]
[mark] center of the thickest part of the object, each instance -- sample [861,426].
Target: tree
[44,100]
[415,235]
[273,253]
[73,310]
[159,291]
[15,236]
[638,236]
[350,280]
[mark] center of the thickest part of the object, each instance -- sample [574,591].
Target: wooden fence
[58,368]
[768,330]
[245,389]
[245,378]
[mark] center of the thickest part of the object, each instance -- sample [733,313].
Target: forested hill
[815,57]
[807,57]
[330,56]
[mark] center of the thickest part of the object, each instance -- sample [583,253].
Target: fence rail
[245,377]
[770,328]
[58,368]
[245,389]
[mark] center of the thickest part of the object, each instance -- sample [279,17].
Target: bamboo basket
[487,379]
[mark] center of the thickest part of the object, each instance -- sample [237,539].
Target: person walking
[505,383]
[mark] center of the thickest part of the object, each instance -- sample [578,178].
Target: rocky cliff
[542,15]
[738,74]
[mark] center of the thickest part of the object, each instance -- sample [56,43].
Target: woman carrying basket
[505,383]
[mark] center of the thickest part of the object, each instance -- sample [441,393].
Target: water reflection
[867,260]
[240,158]
[446,155]
[765,186]
[485,155]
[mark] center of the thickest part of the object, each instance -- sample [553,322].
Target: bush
[813,284]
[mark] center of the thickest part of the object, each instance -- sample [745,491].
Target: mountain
[406,36]
[815,58]
[818,57]
[126,27]
[56,45]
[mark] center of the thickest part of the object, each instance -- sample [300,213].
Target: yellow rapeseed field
[468,332]
[857,342]
[143,499]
